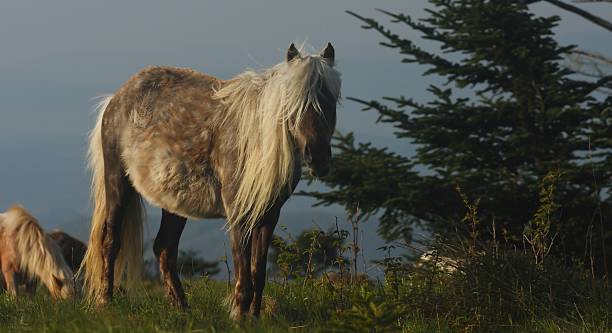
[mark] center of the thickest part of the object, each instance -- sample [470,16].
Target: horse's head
[61,285]
[316,126]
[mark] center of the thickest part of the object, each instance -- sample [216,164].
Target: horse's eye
[58,282]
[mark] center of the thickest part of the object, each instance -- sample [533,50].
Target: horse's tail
[92,268]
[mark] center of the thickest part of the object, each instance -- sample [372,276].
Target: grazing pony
[202,147]
[27,253]
[73,249]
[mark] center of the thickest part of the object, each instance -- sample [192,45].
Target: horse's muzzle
[319,171]
[319,164]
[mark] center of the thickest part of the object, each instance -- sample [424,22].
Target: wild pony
[73,249]
[200,147]
[27,253]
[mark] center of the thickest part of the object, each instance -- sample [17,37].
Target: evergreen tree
[509,114]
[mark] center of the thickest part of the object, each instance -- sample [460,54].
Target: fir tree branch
[594,56]
[578,11]
[589,1]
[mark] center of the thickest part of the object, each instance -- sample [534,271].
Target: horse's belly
[185,187]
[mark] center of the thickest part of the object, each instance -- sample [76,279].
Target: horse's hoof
[183,306]
[103,301]
[179,303]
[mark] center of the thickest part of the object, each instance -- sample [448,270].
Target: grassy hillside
[494,291]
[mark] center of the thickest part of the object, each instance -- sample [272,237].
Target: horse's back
[155,93]
[166,138]
[163,79]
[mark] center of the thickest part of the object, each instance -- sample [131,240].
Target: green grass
[492,293]
[147,310]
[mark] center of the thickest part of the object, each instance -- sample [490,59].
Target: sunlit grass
[417,302]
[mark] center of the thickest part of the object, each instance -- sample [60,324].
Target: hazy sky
[58,55]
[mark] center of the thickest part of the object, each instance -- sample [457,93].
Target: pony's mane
[265,108]
[38,254]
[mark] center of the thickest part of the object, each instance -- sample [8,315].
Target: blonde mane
[266,109]
[39,255]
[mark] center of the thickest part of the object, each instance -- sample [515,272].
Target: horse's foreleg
[2,283]
[261,238]
[166,250]
[243,290]
[10,279]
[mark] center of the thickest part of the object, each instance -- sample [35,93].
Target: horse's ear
[328,53]
[292,52]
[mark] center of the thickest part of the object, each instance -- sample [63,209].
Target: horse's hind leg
[30,286]
[261,238]
[166,251]
[118,189]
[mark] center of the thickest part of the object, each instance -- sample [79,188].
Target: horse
[27,253]
[201,147]
[73,249]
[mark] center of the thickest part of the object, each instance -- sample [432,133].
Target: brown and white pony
[27,254]
[200,147]
[72,249]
